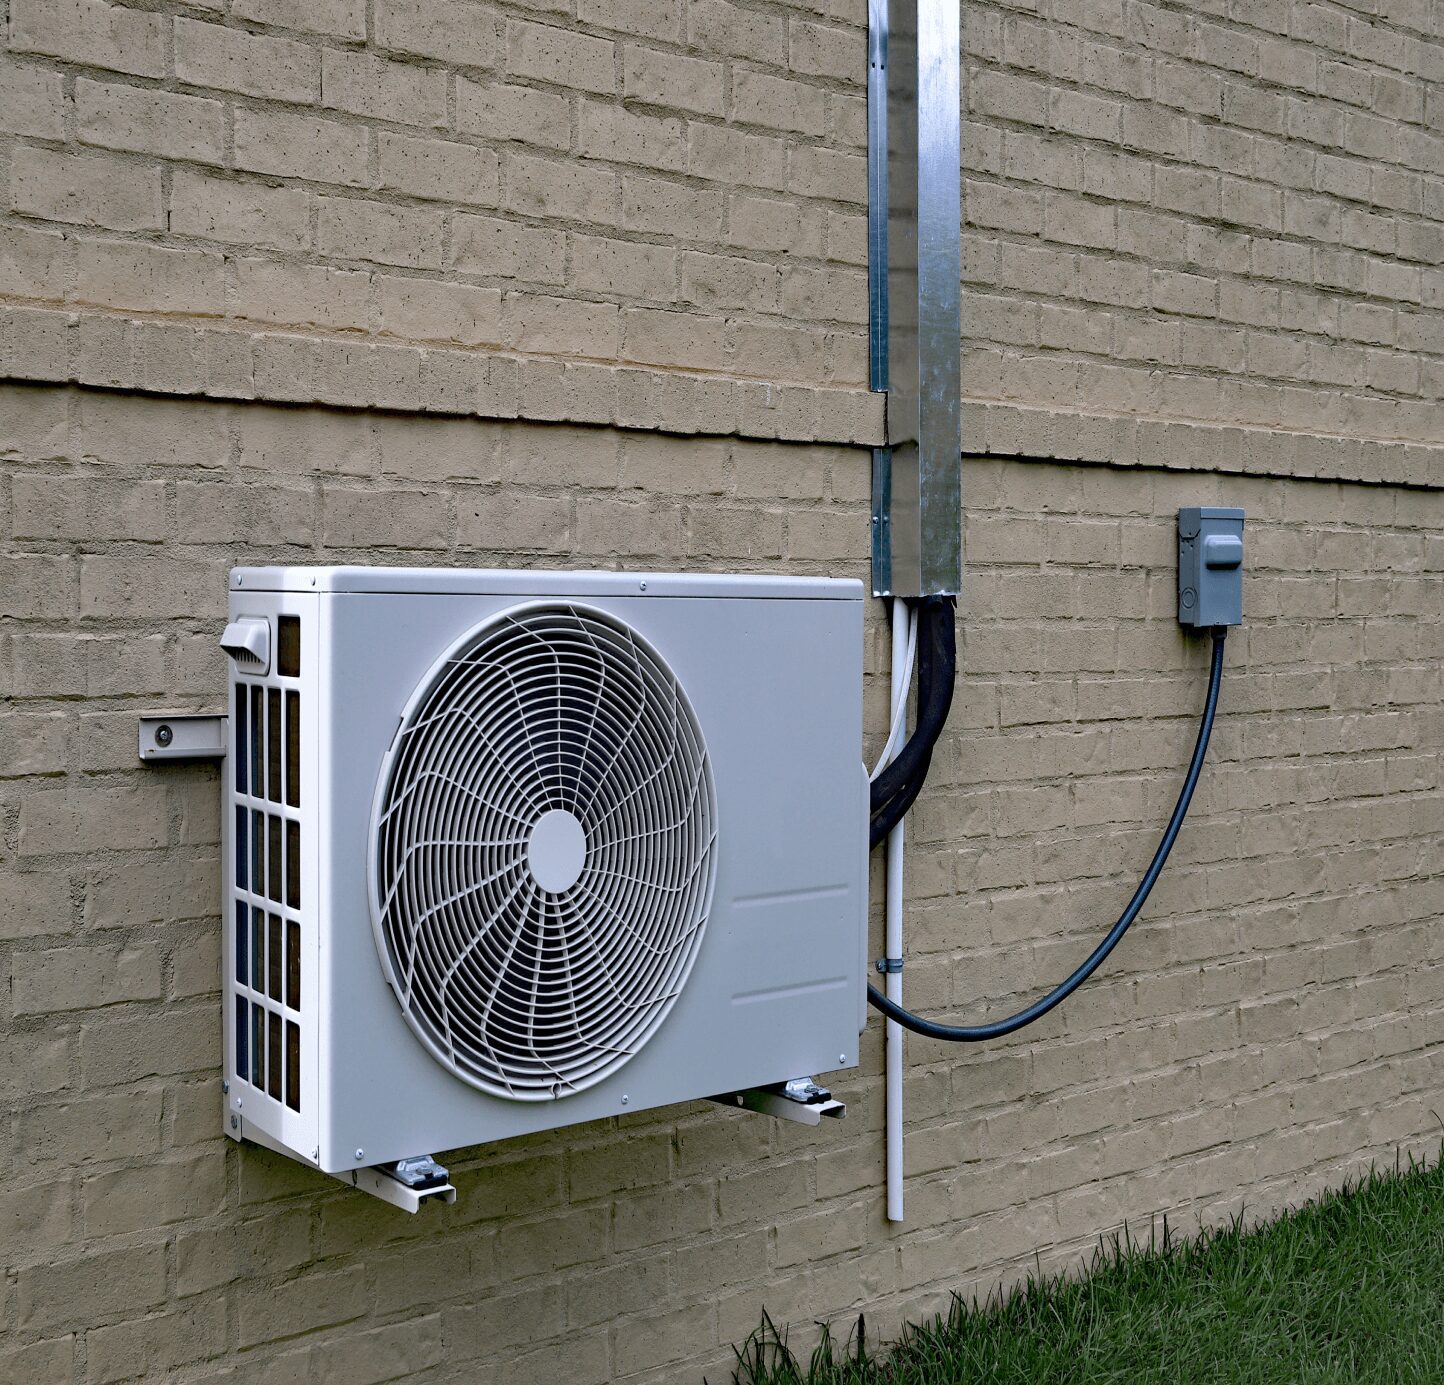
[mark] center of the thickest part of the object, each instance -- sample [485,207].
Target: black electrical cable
[977,1032]
[899,784]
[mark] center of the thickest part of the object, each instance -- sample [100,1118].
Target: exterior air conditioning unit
[512,850]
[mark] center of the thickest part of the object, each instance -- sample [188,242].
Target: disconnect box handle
[1223,551]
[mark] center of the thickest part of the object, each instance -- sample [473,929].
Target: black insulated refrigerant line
[891,798]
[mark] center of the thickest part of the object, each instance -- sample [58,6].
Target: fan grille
[542,851]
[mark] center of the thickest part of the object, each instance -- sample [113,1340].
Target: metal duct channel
[915,287]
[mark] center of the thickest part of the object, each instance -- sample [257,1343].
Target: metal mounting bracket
[405,1184]
[184,736]
[801,1100]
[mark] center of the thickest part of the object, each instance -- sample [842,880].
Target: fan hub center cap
[556,850]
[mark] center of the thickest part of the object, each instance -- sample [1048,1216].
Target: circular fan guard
[542,851]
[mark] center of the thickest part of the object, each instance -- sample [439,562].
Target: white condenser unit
[513,850]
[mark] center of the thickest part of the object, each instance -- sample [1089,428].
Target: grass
[1344,1290]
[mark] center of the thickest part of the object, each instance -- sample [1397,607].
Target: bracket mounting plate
[182,736]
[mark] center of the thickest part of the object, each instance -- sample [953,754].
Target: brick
[495,110]
[92,32]
[337,18]
[363,84]
[36,1064]
[441,170]
[450,30]
[106,1284]
[32,903]
[656,205]
[32,265]
[32,102]
[45,1360]
[664,79]
[424,310]
[615,134]
[39,586]
[160,1193]
[727,281]
[303,295]
[211,1257]
[721,26]
[353,229]
[501,249]
[730,156]
[121,429]
[625,268]
[300,146]
[547,188]
[302,1305]
[383,1353]
[561,57]
[778,103]
[155,1346]
[151,278]
[515,523]
[210,55]
[390,518]
[249,213]
[116,1050]
[56,820]
[562,326]
[33,745]
[91,191]
[145,121]
[77,978]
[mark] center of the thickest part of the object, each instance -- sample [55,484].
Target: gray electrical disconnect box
[1210,565]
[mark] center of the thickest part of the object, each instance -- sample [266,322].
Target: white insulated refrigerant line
[904,651]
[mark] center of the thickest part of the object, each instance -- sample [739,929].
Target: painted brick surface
[1229,212]
[582,283]
[1267,1028]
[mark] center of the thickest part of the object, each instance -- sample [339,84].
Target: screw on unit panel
[360,1153]
[625,1099]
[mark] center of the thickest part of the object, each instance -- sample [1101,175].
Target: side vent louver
[266,838]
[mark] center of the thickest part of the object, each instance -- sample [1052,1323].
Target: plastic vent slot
[543,851]
[267,874]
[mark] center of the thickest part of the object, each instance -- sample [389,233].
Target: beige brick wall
[581,282]
[1221,211]
[1270,1025]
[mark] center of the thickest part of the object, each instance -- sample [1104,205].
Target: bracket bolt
[164,735]
[235,1122]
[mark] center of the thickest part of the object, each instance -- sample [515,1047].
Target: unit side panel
[270,892]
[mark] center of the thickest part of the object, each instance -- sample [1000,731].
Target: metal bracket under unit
[182,737]
[801,1100]
[405,1184]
